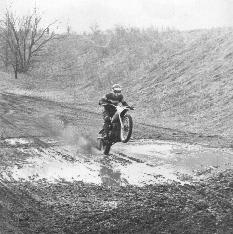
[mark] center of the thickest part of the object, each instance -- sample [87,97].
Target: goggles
[117,91]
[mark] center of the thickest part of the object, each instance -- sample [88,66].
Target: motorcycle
[120,129]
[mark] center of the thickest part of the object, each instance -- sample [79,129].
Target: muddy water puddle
[135,163]
[178,159]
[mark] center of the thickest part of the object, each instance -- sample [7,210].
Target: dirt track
[65,195]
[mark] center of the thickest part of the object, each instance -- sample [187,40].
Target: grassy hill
[193,87]
[180,80]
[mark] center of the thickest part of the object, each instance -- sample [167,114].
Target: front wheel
[126,129]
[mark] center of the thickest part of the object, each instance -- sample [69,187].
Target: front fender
[124,112]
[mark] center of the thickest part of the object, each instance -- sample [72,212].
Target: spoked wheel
[104,146]
[126,130]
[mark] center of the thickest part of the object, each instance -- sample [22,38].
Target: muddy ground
[53,180]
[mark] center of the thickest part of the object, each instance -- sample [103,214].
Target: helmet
[116,88]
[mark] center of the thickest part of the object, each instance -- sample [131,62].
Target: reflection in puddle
[136,163]
[110,177]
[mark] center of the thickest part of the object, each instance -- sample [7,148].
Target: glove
[103,103]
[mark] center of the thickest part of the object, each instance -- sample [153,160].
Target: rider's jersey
[113,99]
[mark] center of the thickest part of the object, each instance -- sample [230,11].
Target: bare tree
[22,40]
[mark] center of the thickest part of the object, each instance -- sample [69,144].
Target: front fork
[115,117]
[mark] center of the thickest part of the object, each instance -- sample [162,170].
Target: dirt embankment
[179,80]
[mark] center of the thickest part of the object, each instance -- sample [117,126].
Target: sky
[82,14]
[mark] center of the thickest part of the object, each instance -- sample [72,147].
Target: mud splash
[64,131]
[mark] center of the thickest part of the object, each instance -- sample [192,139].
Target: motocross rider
[115,97]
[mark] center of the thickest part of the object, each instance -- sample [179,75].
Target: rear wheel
[126,130]
[104,146]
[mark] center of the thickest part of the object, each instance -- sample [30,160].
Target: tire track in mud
[21,207]
[11,203]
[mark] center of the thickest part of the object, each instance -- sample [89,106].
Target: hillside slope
[192,89]
[175,79]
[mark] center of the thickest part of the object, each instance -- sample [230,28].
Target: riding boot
[106,131]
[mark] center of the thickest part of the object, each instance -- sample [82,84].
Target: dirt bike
[120,129]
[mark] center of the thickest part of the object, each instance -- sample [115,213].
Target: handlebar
[106,104]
